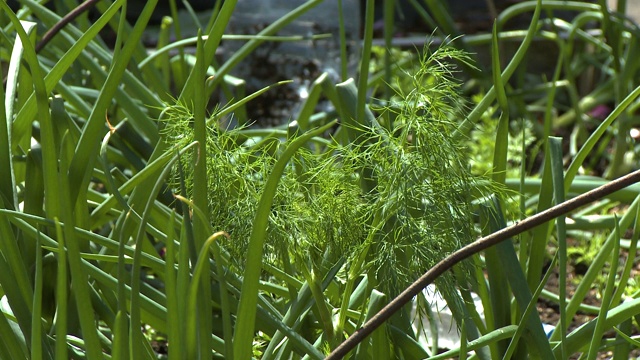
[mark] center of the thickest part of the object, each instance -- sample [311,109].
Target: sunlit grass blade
[496,277]
[539,236]
[361,100]
[499,294]
[623,331]
[485,340]
[629,263]
[175,327]
[201,268]
[502,135]
[308,108]
[596,134]
[200,224]
[138,342]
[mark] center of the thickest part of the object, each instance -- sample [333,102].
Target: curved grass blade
[201,272]
[7,182]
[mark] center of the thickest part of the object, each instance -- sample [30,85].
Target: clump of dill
[416,213]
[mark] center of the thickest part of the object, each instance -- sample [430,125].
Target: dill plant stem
[353,274]
[473,248]
[315,285]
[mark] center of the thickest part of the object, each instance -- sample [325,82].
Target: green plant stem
[243,335]
[315,285]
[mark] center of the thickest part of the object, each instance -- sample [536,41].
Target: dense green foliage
[138,211]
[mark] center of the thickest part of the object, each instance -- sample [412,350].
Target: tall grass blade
[600,328]
[37,338]
[79,275]
[589,145]
[201,202]
[62,297]
[539,236]
[194,329]
[555,147]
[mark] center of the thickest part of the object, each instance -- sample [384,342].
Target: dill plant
[423,185]
[317,211]
[391,203]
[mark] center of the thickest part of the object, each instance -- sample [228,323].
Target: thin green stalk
[596,266]
[606,298]
[200,199]
[321,305]
[79,275]
[506,332]
[555,146]
[344,61]
[37,339]
[585,150]
[530,308]
[62,296]
[630,263]
[389,28]
[195,335]
[365,59]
